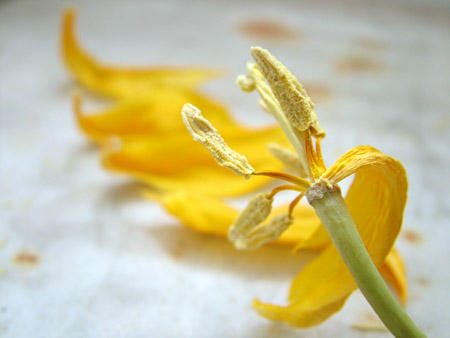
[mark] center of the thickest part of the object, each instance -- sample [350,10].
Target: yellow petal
[213,216]
[318,238]
[175,162]
[204,214]
[393,271]
[303,230]
[153,114]
[376,201]
[122,81]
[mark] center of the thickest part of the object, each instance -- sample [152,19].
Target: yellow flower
[376,198]
[142,134]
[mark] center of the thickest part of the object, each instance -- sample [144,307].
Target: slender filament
[300,182]
[284,188]
[294,203]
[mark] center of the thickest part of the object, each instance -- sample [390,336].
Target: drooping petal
[393,271]
[213,216]
[203,214]
[174,162]
[153,114]
[122,81]
[376,201]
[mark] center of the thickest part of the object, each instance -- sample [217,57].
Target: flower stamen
[301,182]
[290,160]
[256,212]
[264,233]
[204,132]
[319,152]
[294,203]
[315,160]
[284,188]
[255,80]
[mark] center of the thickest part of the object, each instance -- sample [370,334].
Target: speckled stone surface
[83,255]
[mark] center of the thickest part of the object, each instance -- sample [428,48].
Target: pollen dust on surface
[423,281]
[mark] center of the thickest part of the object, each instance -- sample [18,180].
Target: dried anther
[256,212]
[202,131]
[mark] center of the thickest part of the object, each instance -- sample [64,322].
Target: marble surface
[83,255]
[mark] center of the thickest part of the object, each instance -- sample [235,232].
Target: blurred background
[83,255]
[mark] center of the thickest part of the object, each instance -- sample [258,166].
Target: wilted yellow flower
[142,135]
[376,200]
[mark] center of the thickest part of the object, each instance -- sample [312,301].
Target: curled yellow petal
[376,201]
[121,81]
[186,165]
[393,271]
[214,216]
[203,214]
[153,114]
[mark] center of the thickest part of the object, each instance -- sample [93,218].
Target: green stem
[332,211]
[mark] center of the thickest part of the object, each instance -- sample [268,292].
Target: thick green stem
[332,211]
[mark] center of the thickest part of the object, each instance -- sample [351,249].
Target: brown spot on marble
[317,91]
[358,64]
[26,258]
[423,281]
[268,29]
[369,42]
[412,236]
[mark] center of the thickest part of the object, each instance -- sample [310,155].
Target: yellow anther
[264,233]
[203,131]
[290,159]
[246,83]
[256,212]
[292,97]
